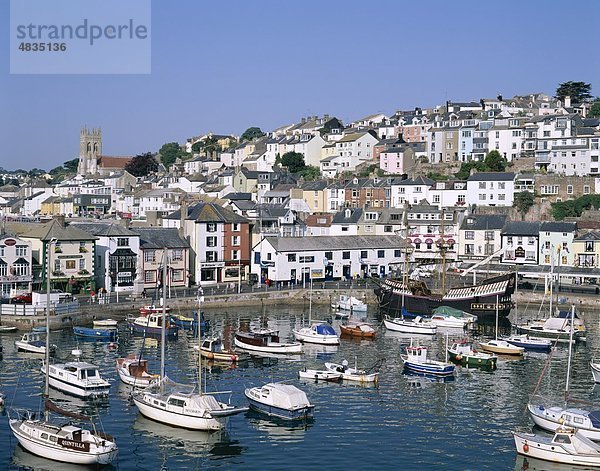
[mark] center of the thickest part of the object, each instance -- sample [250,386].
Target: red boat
[152,309]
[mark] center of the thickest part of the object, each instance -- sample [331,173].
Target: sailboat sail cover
[168,386]
[54,408]
[325,329]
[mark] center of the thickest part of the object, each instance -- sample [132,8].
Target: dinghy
[319,375]
[352,374]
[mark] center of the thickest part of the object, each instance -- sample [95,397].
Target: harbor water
[405,422]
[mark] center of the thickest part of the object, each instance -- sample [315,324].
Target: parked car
[22,299]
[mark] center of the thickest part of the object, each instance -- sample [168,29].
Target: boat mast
[497,301]
[200,300]
[442,247]
[47,356]
[570,350]
[164,316]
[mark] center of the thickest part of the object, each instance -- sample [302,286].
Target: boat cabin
[417,354]
[212,345]
[81,371]
[259,338]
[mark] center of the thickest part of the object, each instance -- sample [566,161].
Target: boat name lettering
[73,445]
[486,306]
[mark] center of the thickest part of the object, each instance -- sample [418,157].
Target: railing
[29,310]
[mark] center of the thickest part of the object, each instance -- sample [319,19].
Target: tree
[578,91]
[294,161]
[251,133]
[71,165]
[142,164]
[170,152]
[523,201]
[310,173]
[494,162]
[466,167]
[595,109]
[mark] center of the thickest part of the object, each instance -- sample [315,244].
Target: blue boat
[191,323]
[280,400]
[91,333]
[151,325]
[416,361]
[529,343]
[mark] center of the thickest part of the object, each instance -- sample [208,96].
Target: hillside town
[481,186]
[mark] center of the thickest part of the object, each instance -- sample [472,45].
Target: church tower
[90,148]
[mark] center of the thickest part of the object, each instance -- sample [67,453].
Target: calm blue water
[403,423]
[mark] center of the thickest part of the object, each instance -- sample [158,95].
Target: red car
[22,299]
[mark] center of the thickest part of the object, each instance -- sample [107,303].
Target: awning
[429,241]
[21,261]
[123,253]
[417,241]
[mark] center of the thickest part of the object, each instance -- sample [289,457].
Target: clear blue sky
[223,66]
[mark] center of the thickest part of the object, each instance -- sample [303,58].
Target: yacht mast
[200,300]
[163,323]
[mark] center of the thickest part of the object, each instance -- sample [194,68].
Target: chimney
[60,219]
[183,211]
[567,102]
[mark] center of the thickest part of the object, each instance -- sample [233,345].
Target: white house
[556,243]
[479,236]
[491,189]
[520,243]
[292,259]
[410,190]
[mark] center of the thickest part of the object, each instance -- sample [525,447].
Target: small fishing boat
[153,309]
[501,347]
[410,326]
[34,342]
[152,325]
[416,361]
[190,323]
[133,371]
[350,303]
[595,366]
[105,323]
[567,446]
[358,329]
[319,333]
[213,349]
[63,442]
[266,341]
[7,328]
[77,378]
[530,343]
[352,374]
[280,400]
[463,353]
[319,375]
[94,333]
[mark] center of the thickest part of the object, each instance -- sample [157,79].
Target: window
[306,259]
[212,256]
[176,255]
[530,240]
[57,265]
[381,254]
[482,196]
[388,229]
[211,241]
[235,227]
[291,257]
[436,199]
[489,235]
[586,189]
[346,255]
[509,240]
[70,264]
[501,185]
[501,197]
[149,255]
[364,254]
[21,251]
[469,235]
[329,255]
[235,240]
[235,254]
[470,249]
[397,253]
[82,264]
[344,228]
[121,242]
[177,275]
[211,227]
[489,249]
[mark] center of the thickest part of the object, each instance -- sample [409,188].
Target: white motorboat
[451,322]
[66,443]
[567,446]
[595,366]
[501,347]
[265,341]
[77,378]
[280,400]
[552,418]
[34,342]
[350,303]
[410,326]
[105,323]
[133,371]
[352,374]
[182,405]
[319,375]
[319,333]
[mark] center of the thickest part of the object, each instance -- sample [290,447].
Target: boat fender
[526,448]
[561,421]
[232,358]
[459,357]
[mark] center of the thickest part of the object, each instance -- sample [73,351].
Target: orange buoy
[526,448]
